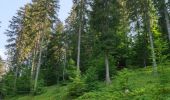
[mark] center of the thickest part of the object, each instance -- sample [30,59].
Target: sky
[8,8]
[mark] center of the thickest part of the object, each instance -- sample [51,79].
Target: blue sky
[8,8]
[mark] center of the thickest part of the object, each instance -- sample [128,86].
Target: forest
[105,50]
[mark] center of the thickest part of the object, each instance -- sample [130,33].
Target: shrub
[123,78]
[76,88]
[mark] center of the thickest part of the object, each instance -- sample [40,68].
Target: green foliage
[40,88]
[99,96]
[161,49]
[23,85]
[141,83]
[71,70]
[76,88]
[120,30]
[7,81]
[139,54]
[123,79]
[96,72]
[91,81]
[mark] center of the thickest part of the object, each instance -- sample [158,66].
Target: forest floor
[136,84]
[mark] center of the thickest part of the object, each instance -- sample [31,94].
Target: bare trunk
[65,60]
[152,46]
[37,70]
[167,22]
[78,49]
[152,49]
[79,35]
[147,18]
[32,78]
[34,60]
[33,65]
[39,64]
[148,25]
[16,76]
[108,81]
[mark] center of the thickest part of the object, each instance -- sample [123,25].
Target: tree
[104,22]
[29,35]
[148,27]
[15,46]
[55,57]
[45,14]
[167,18]
[145,18]
[80,10]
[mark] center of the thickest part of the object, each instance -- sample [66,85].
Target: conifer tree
[104,20]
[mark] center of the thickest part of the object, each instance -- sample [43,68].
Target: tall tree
[167,17]
[144,17]
[148,25]
[80,6]
[45,14]
[104,22]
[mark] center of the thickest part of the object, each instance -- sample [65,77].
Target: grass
[136,84]
[50,93]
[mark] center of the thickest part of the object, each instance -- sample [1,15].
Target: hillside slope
[139,84]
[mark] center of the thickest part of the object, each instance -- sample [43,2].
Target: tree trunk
[147,18]
[78,49]
[15,80]
[108,81]
[64,66]
[33,64]
[152,47]
[39,64]
[167,21]
[79,35]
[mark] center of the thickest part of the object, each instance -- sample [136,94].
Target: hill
[128,84]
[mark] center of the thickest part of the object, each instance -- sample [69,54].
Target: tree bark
[167,21]
[33,69]
[33,65]
[78,49]
[152,49]
[64,66]
[147,18]
[79,34]
[108,81]
[39,63]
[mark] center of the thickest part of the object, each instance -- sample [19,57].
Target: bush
[71,70]
[123,78]
[100,96]
[23,84]
[7,87]
[76,88]
[40,88]
[91,79]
